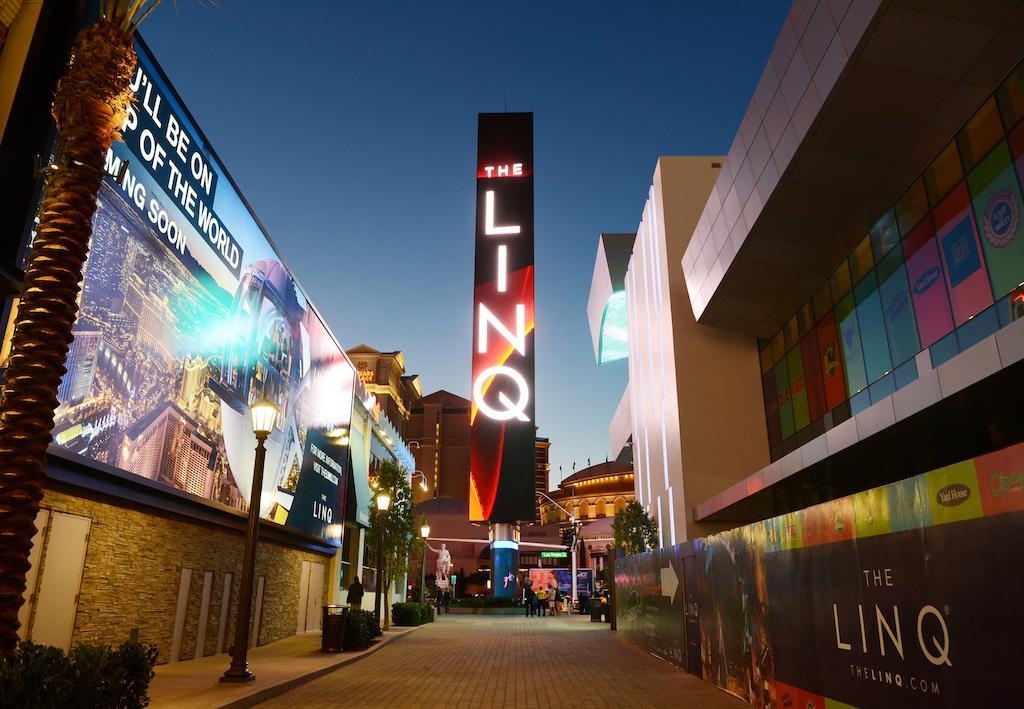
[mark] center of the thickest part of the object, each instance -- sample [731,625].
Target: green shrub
[487,602]
[360,629]
[90,676]
[412,613]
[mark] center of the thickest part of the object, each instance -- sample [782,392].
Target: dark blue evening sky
[351,129]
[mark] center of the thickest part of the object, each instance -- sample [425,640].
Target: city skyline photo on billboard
[188,316]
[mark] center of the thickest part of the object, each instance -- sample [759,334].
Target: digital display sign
[188,316]
[502,429]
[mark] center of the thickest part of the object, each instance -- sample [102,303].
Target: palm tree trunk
[90,105]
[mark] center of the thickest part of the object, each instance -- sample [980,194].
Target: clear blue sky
[351,129]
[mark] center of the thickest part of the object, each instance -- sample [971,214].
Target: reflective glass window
[944,172]
[1011,96]
[911,207]
[839,282]
[822,302]
[792,331]
[884,235]
[766,358]
[981,132]
[861,260]
[778,347]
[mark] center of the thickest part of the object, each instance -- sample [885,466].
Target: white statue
[443,569]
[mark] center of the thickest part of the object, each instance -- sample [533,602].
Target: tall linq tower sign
[502,417]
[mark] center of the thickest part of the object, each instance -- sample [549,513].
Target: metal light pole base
[239,675]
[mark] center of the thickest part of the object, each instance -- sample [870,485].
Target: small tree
[400,539]
[635,531]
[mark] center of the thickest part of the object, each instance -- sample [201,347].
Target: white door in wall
[311,596]
[62,559]
[315,597]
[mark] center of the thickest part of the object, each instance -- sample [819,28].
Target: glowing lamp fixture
[264,414]
[425,530]
[383,501]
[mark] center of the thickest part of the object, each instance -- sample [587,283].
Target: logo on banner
[953,494]
[831,360]
[961,252]
[927,279]
[896,306]
[1002,218]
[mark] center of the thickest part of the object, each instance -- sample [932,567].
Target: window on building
[939,271]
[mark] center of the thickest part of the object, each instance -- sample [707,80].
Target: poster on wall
[502,426]
[563,579]
[903,595]
[187,317]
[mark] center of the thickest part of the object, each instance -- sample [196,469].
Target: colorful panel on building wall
[966,277]
[785,398]
[872,334]
[927,285]
[832,367]
[771,398]
[812,375]
[898,311]
[997,209]
[798,388]
[893,597]
[187,317]
[849,337]
[502,428]
[920,275]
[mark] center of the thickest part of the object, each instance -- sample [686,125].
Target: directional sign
[553,554]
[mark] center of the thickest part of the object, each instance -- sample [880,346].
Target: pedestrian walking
[355,594]
[556,600]
[448,602]
[530,601]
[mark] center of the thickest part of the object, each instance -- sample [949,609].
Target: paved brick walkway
[504,661]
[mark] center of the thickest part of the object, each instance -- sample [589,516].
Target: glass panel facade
[938,272]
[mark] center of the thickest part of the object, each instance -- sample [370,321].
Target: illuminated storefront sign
[502,418]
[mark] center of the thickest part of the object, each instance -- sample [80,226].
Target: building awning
[853,104]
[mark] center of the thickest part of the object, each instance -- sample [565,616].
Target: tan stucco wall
[723,435]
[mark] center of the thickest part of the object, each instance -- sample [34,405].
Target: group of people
[543,599]
[443,601]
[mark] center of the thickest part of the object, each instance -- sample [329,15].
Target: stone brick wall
[133,570]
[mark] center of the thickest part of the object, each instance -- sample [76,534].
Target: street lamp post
[264,414]
[424,532]
[575,543]
[383,502]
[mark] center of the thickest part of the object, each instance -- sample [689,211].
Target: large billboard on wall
[904,595]
[502,428]
[563,579]
[188,316]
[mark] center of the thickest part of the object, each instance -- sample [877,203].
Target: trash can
[595,612]
[332,628]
